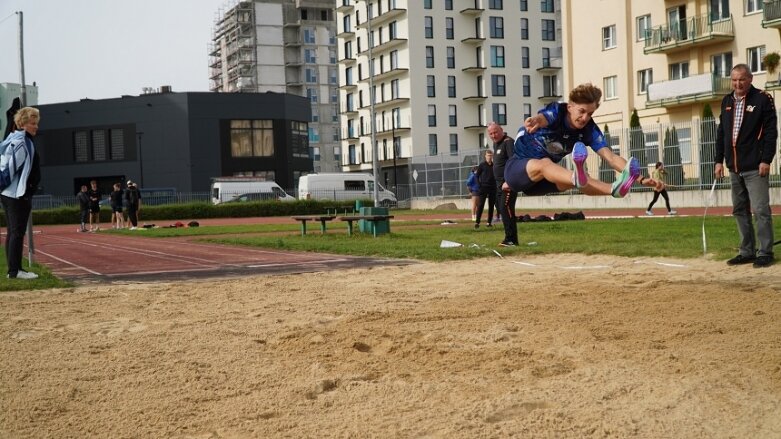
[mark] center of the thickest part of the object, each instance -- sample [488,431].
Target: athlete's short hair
[585,94]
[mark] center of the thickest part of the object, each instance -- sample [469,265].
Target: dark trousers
[17,213]
[656,197]
[506,205]
[132,215]
[486,193]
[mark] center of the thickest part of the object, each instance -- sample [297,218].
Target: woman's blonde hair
[585,94]
[24,115]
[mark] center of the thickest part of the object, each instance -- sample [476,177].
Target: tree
[637,140]
[606,173]
[672,157]
[707,147]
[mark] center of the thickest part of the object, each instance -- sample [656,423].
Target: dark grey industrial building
[173,140]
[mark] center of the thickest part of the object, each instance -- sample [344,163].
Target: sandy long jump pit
[566,346]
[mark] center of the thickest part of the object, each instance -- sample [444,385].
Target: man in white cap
[133,201]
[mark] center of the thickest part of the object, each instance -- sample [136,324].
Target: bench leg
[303,228]
[374,228]
[349,228]
[322,226]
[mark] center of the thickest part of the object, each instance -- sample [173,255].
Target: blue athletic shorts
[518,179]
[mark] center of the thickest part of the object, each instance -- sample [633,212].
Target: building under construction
[283,46]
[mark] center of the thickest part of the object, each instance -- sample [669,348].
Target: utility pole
[23,99]
[375,163]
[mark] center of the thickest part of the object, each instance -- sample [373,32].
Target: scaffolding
[232,65]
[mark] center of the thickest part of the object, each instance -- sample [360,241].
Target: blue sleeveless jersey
[557,139]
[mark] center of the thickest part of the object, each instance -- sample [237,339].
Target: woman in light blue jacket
[19,163]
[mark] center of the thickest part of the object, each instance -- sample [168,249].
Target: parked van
[228,188]
[342,186]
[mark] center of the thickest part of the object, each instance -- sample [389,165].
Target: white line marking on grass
[664,264]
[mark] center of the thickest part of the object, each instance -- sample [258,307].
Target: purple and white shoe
[579,156]
[628,176]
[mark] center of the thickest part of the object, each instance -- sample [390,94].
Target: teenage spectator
[474,190]
[116,199]
[487,181]
[133,198]
[21,164]
[660,175]
[94,206]
[83,199]
[746,140]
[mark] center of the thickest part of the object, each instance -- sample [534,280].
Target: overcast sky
[75,49]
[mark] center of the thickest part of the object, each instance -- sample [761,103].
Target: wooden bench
[322,218]
[371,218]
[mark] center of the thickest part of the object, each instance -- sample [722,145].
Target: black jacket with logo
[756,142]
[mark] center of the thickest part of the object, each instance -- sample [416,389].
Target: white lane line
[664,264]
[70,263]
[584,267]
[524,263]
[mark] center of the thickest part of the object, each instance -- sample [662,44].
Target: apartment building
[434,73]
[667,60]
[283,46]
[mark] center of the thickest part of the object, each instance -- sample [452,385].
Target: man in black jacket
[485,176]
[503,150]
[746,140]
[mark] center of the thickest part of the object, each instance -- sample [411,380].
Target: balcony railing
[771,14]
[698,88]
[695,31]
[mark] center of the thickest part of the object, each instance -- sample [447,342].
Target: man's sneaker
[134,228]
[672,212]
[579,156]
[763,261]
[623,184]
[489,225]
[477,226]
[649,213]
[506,244]
[21,274]
[740,260]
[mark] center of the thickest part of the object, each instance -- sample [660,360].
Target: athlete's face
[741,81]
[580,114]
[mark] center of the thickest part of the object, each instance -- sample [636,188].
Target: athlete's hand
[532,124]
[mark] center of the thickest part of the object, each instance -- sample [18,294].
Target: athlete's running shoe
[579,156]
[628,176]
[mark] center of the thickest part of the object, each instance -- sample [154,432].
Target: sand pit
[567,346]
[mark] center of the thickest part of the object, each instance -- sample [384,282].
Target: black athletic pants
[506,204]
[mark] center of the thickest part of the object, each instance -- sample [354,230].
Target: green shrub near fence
[196,211]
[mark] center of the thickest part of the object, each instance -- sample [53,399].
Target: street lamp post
[395,151]
[140,134]
[375,163]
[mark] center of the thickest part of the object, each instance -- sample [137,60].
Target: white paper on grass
[449,244]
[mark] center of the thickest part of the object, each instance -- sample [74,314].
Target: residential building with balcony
[283,46]
[422,79]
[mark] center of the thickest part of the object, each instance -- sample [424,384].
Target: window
[525,57]
[479,56]
[549,87]
[454,144]
[719,9]
[310,56]
[428,27]
[392,30]
[426,4]
[348,49]
[524,28]
[546,6]
[524,5]
[394,59]
[497,27]
[255,138]
[754,56]
[346,26]
[394,87]
[527,111]
[449,28]
[314,135]
[609,37]
[497,85]
[722,64]
[452,115]
[753,6]
[451,57]
[349,102]
[643,27]
[99,145]
[332,56]
[309,36]
[396,117]
[500,113]
[448,5]
[117,137]
[315,113]
[430,57]
[451,86]
[548,30]
[338,154]
[80,146]
[494,4]
[497,56]
[610,86]
[351,128]
[527,85]
[430,86]
[546,57]
[311,94]
[432,115]
[479,80]
[432,144]
[644,79]
[679,70]
[311,75]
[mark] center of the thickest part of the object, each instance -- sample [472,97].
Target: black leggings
[656,197]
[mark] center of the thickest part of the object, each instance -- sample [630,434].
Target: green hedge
[196,211]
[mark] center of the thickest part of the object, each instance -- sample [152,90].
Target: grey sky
[99,49]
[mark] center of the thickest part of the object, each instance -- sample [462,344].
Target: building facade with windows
[667,59]
[283,46]
[435,73]
[173,140]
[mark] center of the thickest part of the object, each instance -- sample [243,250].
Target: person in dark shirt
[117,218]
[487,191]
[83,199]
[133,199]
[505,200]
[94,206]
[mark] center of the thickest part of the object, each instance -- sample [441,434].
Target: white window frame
[754,57]
[610,86]
[609,40]
[644,79]
[643,23]
[754,6]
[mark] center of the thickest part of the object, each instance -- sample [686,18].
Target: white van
[342,186]
[229,188]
